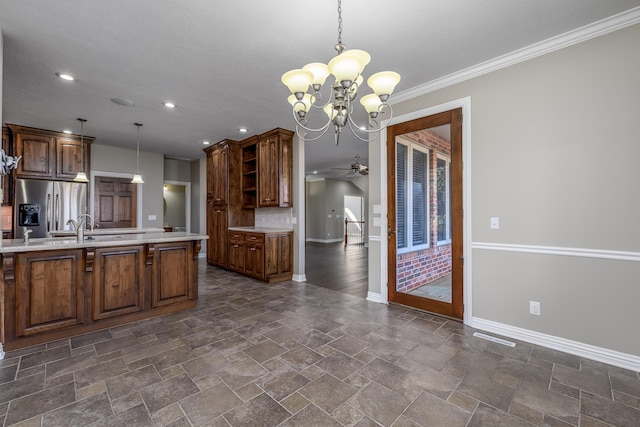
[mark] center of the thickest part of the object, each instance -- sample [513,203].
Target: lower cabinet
[51,291]
[172,274]
[254,255]
[236,251]
[264,256]
[118,281]
[53,294]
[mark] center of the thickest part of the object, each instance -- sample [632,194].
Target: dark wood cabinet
[224,206]
[118,281]
[250,173]
[49,292]
[275,168]
[279,255]
[48,154]
[7,180]
[217,224]
[53,294]
[254,255]
[237,251]
[71,157]
[264,256]
[218,176]
[173,274]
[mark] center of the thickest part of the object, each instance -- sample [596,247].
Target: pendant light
[81,176]
[137,178]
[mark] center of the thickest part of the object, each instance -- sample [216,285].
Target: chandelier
[346,67]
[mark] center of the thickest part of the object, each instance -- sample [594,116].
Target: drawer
[237,235]
[255,237]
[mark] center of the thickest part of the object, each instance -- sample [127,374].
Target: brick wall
[417,268]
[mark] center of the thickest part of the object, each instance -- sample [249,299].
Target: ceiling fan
[356,168]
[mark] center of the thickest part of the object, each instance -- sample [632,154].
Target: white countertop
[252,229]
[55,243]
[107,231]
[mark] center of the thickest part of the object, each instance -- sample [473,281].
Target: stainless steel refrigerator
[46,206]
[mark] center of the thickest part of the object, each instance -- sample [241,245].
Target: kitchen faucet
[78,226]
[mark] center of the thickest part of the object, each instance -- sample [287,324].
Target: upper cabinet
[275,169]
[48,154]
[218,173]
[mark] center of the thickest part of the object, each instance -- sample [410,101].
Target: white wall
[115,161]
[554,155]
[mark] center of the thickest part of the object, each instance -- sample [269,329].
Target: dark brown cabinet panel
[118,281]
[48,154]
[50,291]
[279,254]
[275,161]
[53,294]
[254,259]
[71,158]
[217,231]
[172,274]
[220,174]
[37,153]
[236,251]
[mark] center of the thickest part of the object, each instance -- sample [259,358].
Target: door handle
[390,232]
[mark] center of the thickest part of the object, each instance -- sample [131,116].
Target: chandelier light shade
[81,176]
[137,178]
[346,68]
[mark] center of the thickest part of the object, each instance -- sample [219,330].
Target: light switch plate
[151,217]
[495,223]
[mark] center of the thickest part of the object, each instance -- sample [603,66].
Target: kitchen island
[58,287]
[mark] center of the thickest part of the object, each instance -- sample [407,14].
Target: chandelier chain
[339,21]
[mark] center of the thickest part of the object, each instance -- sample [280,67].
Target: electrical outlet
[534,308]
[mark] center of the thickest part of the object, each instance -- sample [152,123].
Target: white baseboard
[299,278]
[310,239]
[374,297]
[588,351]
[1,352]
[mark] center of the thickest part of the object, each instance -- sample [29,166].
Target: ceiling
[221,62]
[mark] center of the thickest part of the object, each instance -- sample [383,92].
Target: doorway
[425,218]
[177,206]
[354,224]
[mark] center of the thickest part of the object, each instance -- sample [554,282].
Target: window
[412,197]
[443,202]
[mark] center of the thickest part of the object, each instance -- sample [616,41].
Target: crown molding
[579,35]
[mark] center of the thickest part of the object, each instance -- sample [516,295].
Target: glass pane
[401,195]
[442,194]
[420,184]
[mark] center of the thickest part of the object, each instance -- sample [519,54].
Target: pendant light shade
[81,176]
[137,178]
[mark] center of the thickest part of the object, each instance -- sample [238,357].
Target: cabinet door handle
[235,246]
[253,249]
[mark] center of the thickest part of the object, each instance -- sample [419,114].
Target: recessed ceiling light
[67,131]
[123,101]
[315,171]
[205,143]
[65,76]
[243,130]
[169,104]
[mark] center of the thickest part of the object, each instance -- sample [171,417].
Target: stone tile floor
[294,354]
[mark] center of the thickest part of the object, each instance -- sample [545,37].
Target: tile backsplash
[274,217]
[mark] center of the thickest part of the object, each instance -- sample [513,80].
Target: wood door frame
[386,264]
[92,191]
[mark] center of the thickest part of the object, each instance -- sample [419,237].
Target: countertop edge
[61,243]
